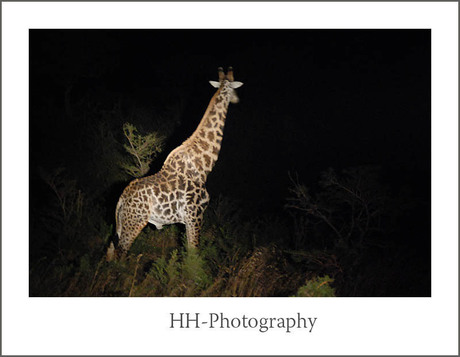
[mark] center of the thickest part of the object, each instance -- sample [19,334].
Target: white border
[140,326]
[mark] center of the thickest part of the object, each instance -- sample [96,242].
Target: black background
[311,99]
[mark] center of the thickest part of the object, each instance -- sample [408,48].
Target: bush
[317,287]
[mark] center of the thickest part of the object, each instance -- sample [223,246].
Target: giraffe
[177,193]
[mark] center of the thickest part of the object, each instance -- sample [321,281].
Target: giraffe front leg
[197,204]
[193,228]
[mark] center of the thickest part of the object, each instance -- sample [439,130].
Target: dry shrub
[264,272]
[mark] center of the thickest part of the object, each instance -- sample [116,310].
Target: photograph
[229,163]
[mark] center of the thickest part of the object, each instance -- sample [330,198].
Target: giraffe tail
[118,224]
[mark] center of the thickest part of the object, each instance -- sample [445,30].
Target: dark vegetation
[281,221]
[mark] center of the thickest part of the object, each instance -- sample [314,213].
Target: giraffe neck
[207,137]
[197,155]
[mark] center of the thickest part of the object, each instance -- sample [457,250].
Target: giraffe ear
[215,84]
[236,84]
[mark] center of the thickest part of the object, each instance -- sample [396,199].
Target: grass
[226,263]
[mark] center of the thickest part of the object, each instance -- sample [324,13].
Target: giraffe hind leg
[127,238]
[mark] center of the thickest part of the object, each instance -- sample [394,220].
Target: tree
[142,148]
[351,204]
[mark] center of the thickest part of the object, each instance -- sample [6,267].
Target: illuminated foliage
[142,149]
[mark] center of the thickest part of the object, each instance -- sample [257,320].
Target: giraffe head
[229,82]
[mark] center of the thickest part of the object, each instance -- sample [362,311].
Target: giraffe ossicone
[177,193]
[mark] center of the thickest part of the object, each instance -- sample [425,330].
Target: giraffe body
[177,193]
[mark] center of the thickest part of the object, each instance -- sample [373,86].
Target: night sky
[311,100]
